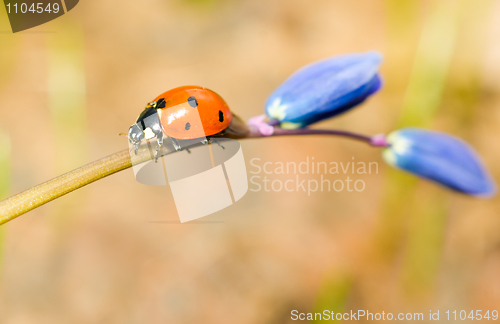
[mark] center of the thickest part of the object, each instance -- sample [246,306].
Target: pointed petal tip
[489,192]
[375,56]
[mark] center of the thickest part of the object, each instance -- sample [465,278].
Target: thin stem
[32,198]
[37,196]
[306,131]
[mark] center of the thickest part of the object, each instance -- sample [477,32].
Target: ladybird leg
[218,143]
[159,139]
[176,144]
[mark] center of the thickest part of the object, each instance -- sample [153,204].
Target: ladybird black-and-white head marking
[147,125]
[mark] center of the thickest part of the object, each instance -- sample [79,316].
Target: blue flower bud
[324,89]
[439,157]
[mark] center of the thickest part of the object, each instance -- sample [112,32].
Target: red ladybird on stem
[186,113]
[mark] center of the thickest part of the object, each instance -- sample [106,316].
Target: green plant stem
[32,198]
[37,196]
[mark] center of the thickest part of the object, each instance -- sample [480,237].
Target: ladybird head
[135,134]
[147,125]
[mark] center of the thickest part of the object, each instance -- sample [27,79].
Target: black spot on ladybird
[221,116]
[192,102]
[160,103]
[188,126]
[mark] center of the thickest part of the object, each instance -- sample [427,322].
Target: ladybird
[185,113]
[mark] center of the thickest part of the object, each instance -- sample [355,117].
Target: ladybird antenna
[121,134]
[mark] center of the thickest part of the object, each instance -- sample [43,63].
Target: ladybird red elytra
[185,113]
[192,112]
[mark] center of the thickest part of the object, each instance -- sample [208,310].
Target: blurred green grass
[5,179]
[412,220]
[414,212]
[67,94]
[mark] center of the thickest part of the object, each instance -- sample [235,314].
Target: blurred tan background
[112,253]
